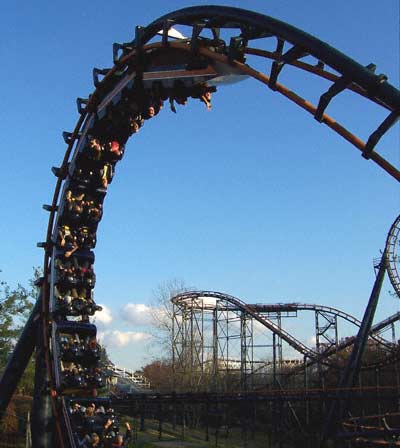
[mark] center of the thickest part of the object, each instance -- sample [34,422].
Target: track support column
[19,359]
[42,425]
[352,369]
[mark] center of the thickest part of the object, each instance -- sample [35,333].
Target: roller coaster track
[388,393]
[393,261]
[339,313]
[198,60]
[194,299]
[373,430]
[251,311]
[392,356]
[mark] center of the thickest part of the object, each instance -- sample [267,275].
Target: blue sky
[254,198]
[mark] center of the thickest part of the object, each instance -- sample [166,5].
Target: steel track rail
[393,357]
[373,430]
[254,25]
[192,299]
[283,307]
[251,26]
[314,110]
[388,393]
[180,299]
[393,257]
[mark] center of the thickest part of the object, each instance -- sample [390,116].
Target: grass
[194,438]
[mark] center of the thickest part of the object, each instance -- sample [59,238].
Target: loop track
[138,81]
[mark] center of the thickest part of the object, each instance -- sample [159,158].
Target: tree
[10,422]
[104,357]
[26,384]
[159,373]
[162,312]
[15,306]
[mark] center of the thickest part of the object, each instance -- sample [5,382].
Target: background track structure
[215,335]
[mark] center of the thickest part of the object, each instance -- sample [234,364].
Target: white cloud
[261,328]
[116,338]
[137,314]
[206,302]
[103,317]
[203,302]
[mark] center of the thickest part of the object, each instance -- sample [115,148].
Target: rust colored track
[252,27]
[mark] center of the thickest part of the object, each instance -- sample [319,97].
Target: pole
[42,415]
[350,373]
[19,359]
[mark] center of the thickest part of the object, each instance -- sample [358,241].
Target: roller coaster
[155,67]
[211,327]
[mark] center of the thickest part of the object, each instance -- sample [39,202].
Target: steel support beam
[19,359]
[352,369]
[42,425]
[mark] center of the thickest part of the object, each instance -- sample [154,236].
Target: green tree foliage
[104,358]
[27,382]
[15,306]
